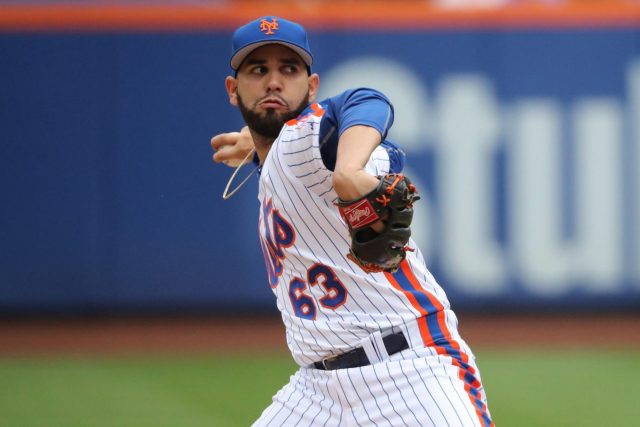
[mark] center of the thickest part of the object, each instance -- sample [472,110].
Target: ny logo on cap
[269,27]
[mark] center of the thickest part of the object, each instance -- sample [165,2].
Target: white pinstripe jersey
[328,304]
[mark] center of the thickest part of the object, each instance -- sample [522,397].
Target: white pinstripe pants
[416,387]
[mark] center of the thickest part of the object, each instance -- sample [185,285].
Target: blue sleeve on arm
[363,106]
[396,156]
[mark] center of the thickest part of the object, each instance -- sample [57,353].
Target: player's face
[271,88]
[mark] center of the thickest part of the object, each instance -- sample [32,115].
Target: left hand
[393,200]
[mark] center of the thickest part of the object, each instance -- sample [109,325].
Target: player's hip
[332,336]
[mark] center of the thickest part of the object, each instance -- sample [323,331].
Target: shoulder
[358,105]
[354,96]
[330,107]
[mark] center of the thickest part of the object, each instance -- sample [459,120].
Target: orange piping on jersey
[440,313]
[422,320]
[316,110]
[406,269]
[463,364]
[325,15]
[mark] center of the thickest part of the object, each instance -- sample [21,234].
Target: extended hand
[231,148]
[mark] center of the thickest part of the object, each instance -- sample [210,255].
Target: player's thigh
[438,394]
[305,401]
[412,392]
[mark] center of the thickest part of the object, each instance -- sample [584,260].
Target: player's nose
[274,82]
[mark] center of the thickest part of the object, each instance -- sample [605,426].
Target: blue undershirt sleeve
[362,106]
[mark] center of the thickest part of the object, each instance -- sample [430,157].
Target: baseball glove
[392,202]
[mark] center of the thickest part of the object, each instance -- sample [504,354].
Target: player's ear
[314,85]
[232,90]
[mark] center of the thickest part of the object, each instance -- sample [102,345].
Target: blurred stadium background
[132,295]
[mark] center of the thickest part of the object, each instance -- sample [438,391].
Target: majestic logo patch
[267,27]
[360,214]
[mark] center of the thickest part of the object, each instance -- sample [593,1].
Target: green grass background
[525,388]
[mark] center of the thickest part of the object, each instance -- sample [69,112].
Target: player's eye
[259,69]
[290,69]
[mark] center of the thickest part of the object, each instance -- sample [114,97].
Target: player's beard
[270,123]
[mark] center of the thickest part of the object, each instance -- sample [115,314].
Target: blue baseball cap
[269,30]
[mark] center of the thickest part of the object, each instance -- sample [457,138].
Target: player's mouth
[272,102]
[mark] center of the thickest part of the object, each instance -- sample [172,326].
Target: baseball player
[371,329]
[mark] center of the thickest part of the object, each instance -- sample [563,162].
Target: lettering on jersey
[302,304]
[273,279]
[267,27]
[277,234]
[323,275]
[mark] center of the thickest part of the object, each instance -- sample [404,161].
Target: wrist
[351,185]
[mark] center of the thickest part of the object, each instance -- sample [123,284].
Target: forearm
[350,180]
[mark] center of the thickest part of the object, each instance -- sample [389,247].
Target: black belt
[358,357]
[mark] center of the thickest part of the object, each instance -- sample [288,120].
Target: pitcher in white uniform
[374,349]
